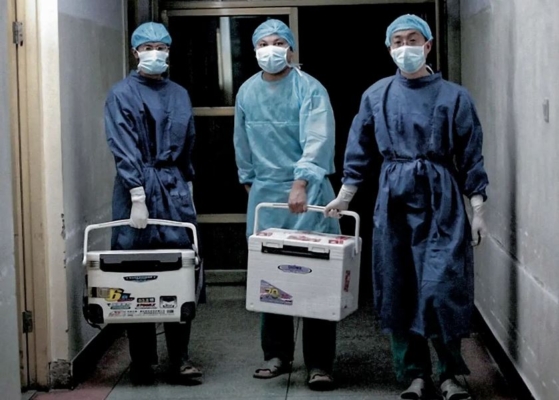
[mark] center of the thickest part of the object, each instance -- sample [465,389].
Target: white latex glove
[479,229]
[340,203]
[139,213]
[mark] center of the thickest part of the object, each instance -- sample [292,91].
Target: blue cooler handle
[126,222]
[285,206]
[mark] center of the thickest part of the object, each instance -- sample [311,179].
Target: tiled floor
[225,344]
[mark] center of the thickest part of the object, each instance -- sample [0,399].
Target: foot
[452,390]
[186,370]
[419,389]
[320,380]
[142,374]
[272,368]
[189,371]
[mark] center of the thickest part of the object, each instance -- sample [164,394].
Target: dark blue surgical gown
[430,138]
[150,131]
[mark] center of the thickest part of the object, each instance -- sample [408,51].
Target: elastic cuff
[476,200]
[138,194]
[347,192]
[309,172]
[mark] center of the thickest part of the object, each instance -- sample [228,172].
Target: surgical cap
[274,27]
[150,32]
[408,22]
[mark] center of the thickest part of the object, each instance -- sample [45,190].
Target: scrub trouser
[143,343]
[412,358]
[319,340]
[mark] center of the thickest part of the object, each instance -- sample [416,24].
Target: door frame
[15,116]
[28,169]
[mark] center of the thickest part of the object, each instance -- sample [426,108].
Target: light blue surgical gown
[284,131]
[430,138]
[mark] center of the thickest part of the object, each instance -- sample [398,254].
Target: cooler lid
[300,243]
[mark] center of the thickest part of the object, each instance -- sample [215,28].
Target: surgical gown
[150,131]
[430,138]
[284,131]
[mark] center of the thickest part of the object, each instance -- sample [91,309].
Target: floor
[225,344]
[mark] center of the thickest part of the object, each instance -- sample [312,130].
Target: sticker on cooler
[145,303]
[294,269]
[347,281]
[168,302]
[139,313]
[304,238]
[155,312]
[140,278]
[272,294]
[339,240]
[146,306]
[111,294]
[146,300]
[119,306]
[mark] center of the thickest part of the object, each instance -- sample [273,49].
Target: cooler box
[140,285]
[303,274]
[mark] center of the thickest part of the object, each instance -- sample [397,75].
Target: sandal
[272,368]
[189,371]
[416,391]
[451,390]
[320,380]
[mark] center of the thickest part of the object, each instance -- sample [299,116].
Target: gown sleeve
[361,145]
[472,177]
[243,153]
[186,165]
[316,135]
[123,141]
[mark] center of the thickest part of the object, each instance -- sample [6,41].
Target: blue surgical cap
[274,27]
[408,22]
[150,32]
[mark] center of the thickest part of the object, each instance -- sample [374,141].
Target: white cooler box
[140,285]
[303,274]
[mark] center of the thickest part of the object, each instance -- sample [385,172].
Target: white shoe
[451,390]
[416,391]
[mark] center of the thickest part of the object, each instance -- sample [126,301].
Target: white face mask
[272,59]
[153,62]
[409,59]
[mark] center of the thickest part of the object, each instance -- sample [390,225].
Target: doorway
[340,45]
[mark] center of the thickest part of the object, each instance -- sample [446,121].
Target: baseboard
[86,360]
[506,366]
[60,374]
